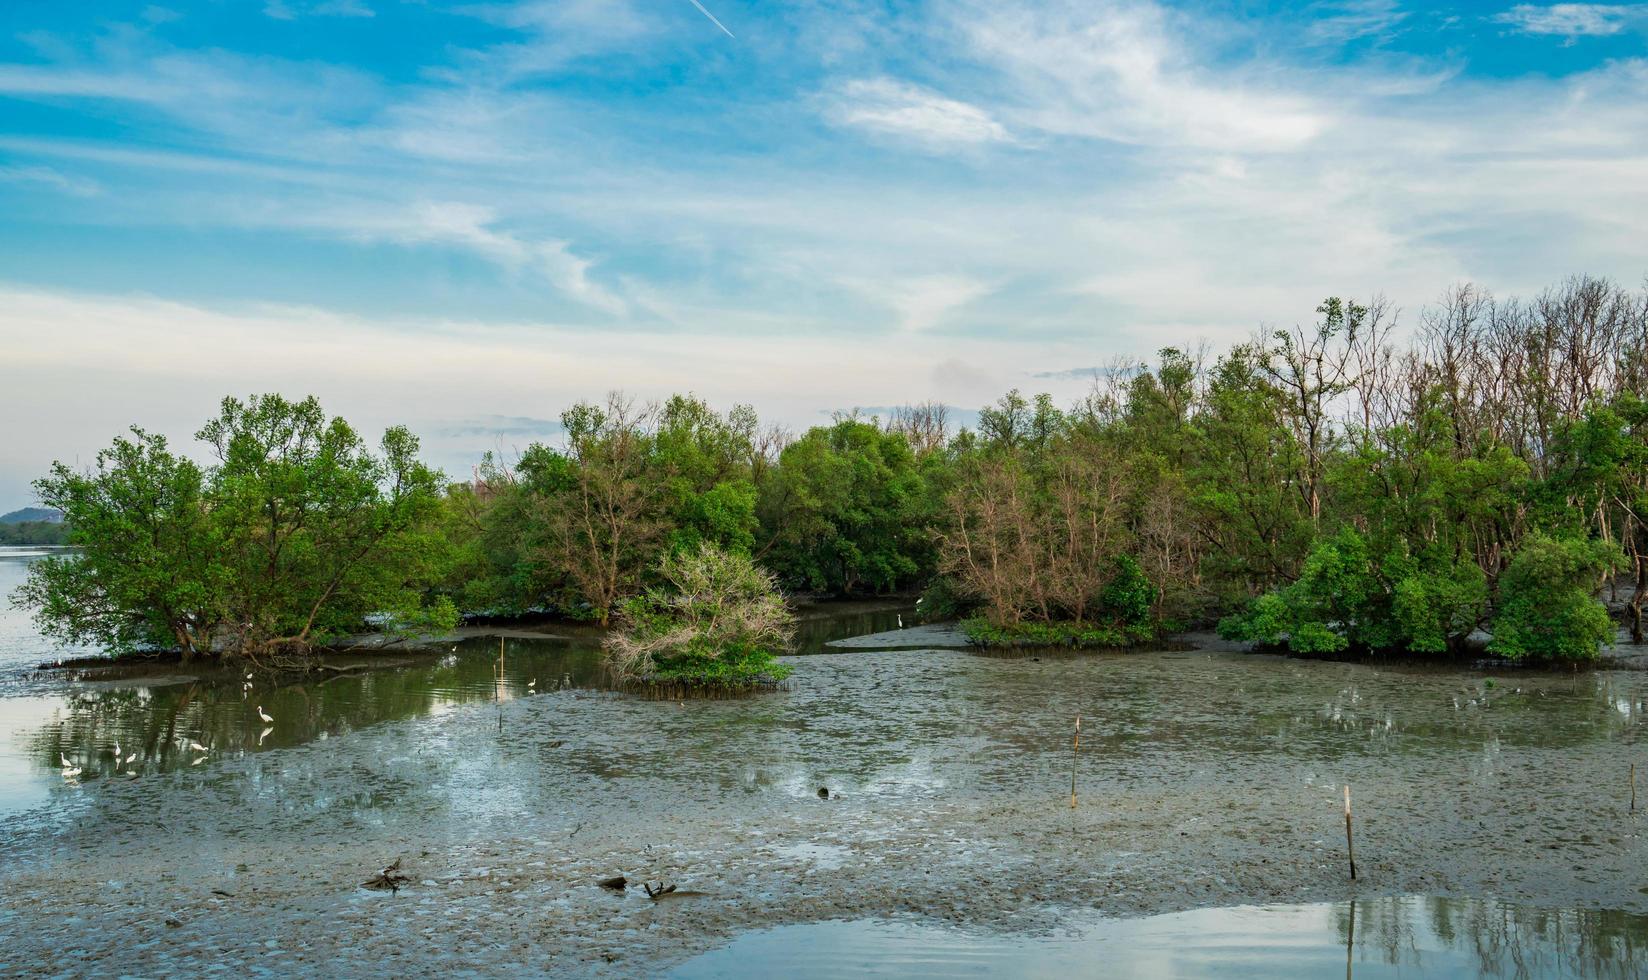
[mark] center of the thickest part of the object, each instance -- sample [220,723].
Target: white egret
[131,758]
[262,714]
[900,620]
[197,746]
[70,770]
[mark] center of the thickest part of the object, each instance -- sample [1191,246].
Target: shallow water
[1374,938]
[152,717]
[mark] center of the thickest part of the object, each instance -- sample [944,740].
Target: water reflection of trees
[157,722]
[1504,940]
[813,631]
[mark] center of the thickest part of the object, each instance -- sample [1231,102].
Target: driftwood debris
[389,878]
[617,883]
[661,891]
[823,792]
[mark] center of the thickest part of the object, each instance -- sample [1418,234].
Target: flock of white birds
[72,770]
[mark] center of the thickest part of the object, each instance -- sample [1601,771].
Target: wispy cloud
[923,301]
[1353,20]
[910,112]
[48,177]
[1574,19]
[476,227]
[1119,71]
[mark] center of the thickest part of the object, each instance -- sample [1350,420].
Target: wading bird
[70,770]
[900,620]
[197,746]
[266,718]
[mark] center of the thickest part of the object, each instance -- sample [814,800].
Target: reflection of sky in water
[45,716]
[1377,938]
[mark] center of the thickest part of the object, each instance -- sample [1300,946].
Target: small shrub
[717,621]
[1129,596]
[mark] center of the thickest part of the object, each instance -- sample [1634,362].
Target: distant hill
[31,514]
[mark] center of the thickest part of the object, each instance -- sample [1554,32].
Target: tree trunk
[1637,599]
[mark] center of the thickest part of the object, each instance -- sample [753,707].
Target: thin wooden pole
[1075,753]
[1350,851]
[1633,787]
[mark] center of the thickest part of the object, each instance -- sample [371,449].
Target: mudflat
[1205,778]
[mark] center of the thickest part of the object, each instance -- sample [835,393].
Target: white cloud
[1117,71]
[551,35]
[1352,20]
[1573,19]
[900,109]
[920,302]
[474,227]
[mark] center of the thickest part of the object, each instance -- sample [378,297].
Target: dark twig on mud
[656,893]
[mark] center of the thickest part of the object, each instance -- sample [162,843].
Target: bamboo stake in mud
[1075,752]
[1350,851]
[1633,787]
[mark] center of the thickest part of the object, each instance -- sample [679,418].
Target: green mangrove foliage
[848,509]
[1547,604]
[714,619]
[579,529]
[1325,489]
[295,535]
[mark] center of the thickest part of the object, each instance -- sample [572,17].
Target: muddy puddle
[1207,780]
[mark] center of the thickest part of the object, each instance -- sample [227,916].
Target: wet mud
[1205,778]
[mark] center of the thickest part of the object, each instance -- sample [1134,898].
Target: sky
[465,216]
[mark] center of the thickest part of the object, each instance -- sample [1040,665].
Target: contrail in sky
[705,11]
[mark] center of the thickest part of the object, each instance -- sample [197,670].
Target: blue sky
[462,215]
